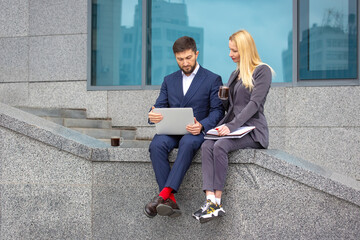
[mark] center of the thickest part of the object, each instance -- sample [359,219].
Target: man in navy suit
[192,86]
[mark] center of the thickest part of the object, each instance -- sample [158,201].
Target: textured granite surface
[45,192]
[14,59]
[259,204]
[68,95]
[323,106]
[50,189]
[14,93]
[57,17]
[45,211]
[14,18]
[48,132]
[92,149]
[147,132]
[337,148]
[59,57]
[137,114]
[275,107]
[30,161]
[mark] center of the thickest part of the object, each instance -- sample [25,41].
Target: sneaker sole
[196,217]
[165,210]
[205,220]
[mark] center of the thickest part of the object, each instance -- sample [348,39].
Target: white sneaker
[213,211]
[198,213]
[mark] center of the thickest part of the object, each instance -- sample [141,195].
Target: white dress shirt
[187,80]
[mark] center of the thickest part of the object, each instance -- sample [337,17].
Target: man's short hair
[184,43]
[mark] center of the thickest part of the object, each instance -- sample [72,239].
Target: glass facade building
[328,39]
[305,41]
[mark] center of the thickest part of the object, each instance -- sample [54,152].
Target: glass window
[212,23]
[327,39]
[116,43]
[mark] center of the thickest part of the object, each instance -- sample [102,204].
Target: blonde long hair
[249,57]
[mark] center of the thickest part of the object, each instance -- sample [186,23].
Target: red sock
[165,193]
[172,197]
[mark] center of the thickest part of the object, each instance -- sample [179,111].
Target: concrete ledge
[48,132]
[92,149]
[67,184]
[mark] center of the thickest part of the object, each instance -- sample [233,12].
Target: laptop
[174,120]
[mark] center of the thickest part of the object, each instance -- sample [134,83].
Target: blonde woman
[248,86]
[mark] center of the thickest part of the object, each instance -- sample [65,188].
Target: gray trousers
[214,156]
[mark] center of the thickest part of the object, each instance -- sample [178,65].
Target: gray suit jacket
[245,108]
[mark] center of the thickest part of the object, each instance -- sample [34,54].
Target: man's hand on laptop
[194,129]
[155,117]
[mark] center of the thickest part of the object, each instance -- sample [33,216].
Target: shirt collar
[194,72]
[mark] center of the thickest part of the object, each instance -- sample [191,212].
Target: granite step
[80,123]
[107,133]
[56,120]
[131,143]
[98,133]
[55,112]
[76,119]
[87,123]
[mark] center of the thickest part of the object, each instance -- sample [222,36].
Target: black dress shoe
[150,208]
[168,208]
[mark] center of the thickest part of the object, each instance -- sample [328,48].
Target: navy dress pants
[160,148]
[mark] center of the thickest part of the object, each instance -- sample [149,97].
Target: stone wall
[45,192]
[43,49]
[58,184]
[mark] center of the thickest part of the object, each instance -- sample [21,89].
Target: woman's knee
[207,145]
[220,148]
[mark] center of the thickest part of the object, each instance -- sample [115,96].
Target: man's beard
[190,71]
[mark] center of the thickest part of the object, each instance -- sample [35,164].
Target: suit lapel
[179,87]
[194,86]
[233,77]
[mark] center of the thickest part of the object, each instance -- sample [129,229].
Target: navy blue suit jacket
[202,96]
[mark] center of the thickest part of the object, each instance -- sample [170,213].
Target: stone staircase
[99,128]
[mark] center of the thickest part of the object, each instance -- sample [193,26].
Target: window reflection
[212,23]
[169,21]
[328,43]
[116,42]
[116,55]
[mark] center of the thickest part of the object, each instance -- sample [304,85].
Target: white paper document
[242,131]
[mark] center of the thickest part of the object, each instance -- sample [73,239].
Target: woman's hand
[223,130]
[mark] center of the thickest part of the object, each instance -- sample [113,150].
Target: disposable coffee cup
[223,92]
[115,141]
